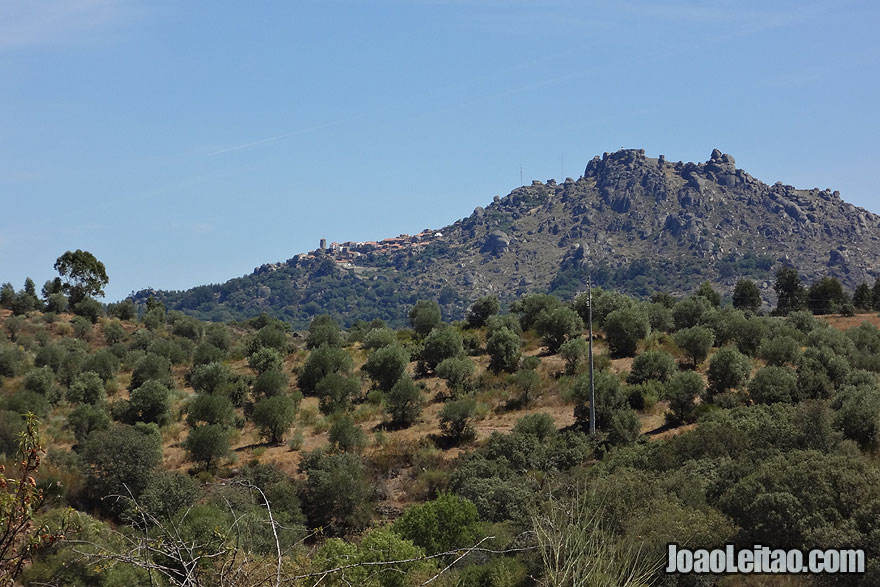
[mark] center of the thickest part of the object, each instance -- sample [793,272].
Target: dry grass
[847,322]
[395,448]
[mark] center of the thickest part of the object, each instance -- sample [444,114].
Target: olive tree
[207,444]
[573,351]
[624,329]
[321,362]
[651,365]
[728,369]
[386,365]
[274,416]
[681,390]
[696,342]
[773,384]
[505,350]
[457,420]
[441,344]
[336,392]
[337,494]
[558,326]
[404,402]
[456,372]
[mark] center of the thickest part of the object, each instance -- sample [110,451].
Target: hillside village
[347,253]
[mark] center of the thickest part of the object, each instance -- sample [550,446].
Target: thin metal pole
[592,387]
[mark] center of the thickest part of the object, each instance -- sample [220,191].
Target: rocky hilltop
[634,222]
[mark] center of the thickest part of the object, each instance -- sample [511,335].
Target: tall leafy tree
[863,298]
[424,316]
[83,275]
[707,291]
[746,295]
[792,295]
[826,296]
[481,310]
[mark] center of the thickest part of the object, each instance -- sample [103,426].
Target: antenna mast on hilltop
[592,387]
[520,175]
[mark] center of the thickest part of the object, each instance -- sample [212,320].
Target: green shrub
[265,359]
[270,383]
[779,350]
[558,326]
[481,310]
[574,351]
[689,312]
[424,316]
[610,397]
[13,360]
[441,343]
[151,402]
[206,408]
[151,366]
[528,385]
[104,363]
[534,307]
[86,418]
[89,308]
[378,338]
[119,461]
[746,295]
[323,329]
[41,380]
[337,494]
[444,524]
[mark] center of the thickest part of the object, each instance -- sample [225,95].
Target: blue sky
[185,143]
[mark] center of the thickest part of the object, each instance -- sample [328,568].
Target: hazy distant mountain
[636,223]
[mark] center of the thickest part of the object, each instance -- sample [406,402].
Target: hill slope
[636,223]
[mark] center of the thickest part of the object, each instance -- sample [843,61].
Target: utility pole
[520,175]
[592,387]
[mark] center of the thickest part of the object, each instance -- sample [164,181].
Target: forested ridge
[144,446]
